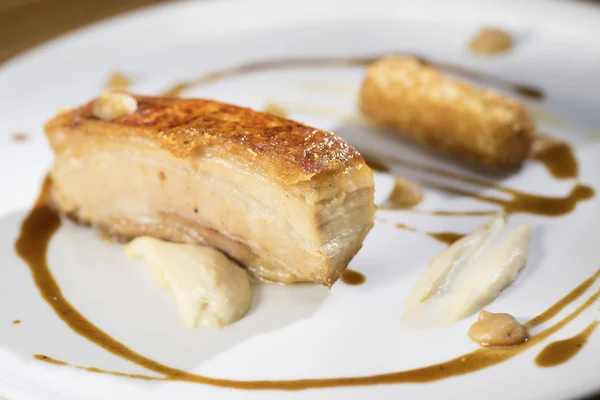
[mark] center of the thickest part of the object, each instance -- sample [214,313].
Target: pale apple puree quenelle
[468,275]
[211,290]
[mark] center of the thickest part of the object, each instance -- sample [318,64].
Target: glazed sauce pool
[561,351]
[559,160]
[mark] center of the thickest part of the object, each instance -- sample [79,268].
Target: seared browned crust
[284,149]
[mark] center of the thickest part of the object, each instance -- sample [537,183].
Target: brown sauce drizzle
[406,227]
[529,91]
[16,321]
[50,360]
[404,195]
[561,351]
[562,303]
[446,237]
[31,245]
[177,89]
[520,202]
[352,277]
[42,222]
[467,213]
[559,160]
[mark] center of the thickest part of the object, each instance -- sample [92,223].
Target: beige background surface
[26,23]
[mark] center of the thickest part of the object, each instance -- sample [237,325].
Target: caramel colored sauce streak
[561,351]
[209,77]
[404,195]
[406,227]
[564,302]
[445,237]
[50,360]
[41,223]
[214,76]
[467,213]
[520,202]
[464,364]
[352,277]
[559,160]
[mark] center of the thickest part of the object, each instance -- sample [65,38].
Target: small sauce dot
[352,277]
[19,137]
[17,321]
[446,237]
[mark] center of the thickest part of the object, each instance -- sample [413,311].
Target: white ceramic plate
[300,332]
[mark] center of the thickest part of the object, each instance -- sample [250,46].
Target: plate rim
[98,27]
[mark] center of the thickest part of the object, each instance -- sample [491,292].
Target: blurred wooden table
[26,23]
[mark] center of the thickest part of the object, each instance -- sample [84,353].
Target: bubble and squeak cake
[289,202]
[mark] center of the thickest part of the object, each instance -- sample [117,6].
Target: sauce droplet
[17,321]
[20,137]
[491,41]
[559,160]
[560,305]
[406,227]
[445,237]
[405,194]
[561,351]
[352,277]
[529,91]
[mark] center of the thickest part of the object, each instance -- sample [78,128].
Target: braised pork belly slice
[289,202]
